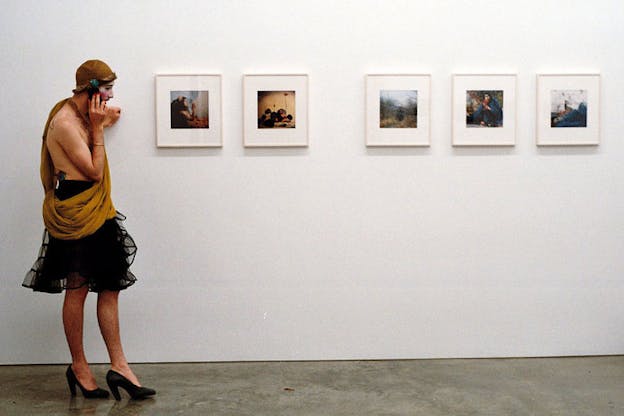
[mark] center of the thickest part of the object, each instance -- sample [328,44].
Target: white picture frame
[285,97]
[568,110]
[473,124]
[200,124]
[398,110]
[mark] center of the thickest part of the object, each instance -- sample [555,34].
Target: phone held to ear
[92,91]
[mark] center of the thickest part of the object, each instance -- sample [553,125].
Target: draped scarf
[82,214]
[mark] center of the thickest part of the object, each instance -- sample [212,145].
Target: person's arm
[89,162]
[186,115]
[477,116]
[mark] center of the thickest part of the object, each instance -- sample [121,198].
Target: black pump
[116,380]
[72,381]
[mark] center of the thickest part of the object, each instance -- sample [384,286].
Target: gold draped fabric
[80,215]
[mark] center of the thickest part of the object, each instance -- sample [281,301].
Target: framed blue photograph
[484,110]
[568,110]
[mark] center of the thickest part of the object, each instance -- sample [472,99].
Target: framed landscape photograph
[568,109]
[275,110]
[398,110]
[484,110]
[188,111]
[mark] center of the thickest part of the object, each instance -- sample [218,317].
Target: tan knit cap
[93,72]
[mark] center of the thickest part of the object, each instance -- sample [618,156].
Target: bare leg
[73,317]
[108,318]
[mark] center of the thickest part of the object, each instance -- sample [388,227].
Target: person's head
[486,98]
[95,76]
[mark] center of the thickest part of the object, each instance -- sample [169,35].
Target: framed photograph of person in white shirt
[568,110]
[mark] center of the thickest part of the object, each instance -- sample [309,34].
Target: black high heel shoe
[116,380]
[98,393]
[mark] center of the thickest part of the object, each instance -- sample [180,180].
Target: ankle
[80,367]
[125,371]
[82,374]
[121,368]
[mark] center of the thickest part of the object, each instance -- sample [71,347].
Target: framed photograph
[398,110]
[188,111]
[568,109]
[275,110]
[484,110]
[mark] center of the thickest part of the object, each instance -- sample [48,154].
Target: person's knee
[78,294]
[107,296]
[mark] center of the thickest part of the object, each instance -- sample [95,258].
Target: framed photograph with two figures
[398,110]
[188,111]
[484,110]
[568,109]
[275,110]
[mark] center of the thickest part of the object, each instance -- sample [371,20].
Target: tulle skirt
[100,261]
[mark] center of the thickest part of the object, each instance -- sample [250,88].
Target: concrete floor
[501,387]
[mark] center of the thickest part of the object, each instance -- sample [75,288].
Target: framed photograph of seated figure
[484,110]
[568,110]
[275,110]
[398,110]
[188,111]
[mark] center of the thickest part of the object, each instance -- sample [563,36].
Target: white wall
[335,251]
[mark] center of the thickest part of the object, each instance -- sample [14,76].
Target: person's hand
[112,115]
[97,111]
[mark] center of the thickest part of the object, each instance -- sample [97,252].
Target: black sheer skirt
[100,261]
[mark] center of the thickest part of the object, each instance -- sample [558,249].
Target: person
[182,117]
[180,113]
[267,119]
[571,117]
[85,245]
[489,113]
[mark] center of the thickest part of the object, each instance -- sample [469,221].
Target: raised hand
[112,115]
[97,111]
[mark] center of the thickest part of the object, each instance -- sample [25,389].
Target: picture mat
[568,136]
[486,136]
[276,137]
[188,137]
[377,136]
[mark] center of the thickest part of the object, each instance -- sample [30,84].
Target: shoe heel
[72,389]
[115,390]
[71,382]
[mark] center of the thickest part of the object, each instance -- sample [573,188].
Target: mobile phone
[92,91]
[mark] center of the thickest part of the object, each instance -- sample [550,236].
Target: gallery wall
[336,250]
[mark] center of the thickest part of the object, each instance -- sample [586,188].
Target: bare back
[69,145]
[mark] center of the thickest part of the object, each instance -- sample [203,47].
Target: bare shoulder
[64,128]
